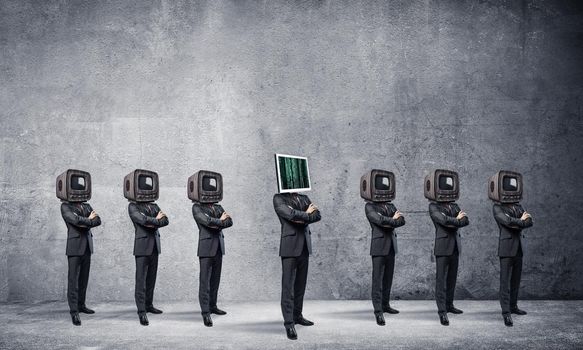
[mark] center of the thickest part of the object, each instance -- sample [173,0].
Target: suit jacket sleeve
[143,219]
[205,220]
[225,223]
[314,216]
[162,222]
[511,222]
[286,212]
[96,221]
[382,220]
[77,220]
[445,220]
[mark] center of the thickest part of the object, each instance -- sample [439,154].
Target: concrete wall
[175,86]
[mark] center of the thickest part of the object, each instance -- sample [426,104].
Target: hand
[93,215]
[397,215]
[461,215]
[160,215]
[312,208]
[224,216]
[525,216]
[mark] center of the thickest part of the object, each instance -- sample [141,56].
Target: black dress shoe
[143,319]
[443,319]
[218,311]
[508,320]
[291,333]
[207,320]
[303,322]
[452,309]
[153,310]
[390,310]
[75,318]
[517,311]
[84,309]
[380,318]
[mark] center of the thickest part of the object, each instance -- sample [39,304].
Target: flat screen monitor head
[205,187]
[141,186]
[293,174]
[378,186]
[74,186]
[442,186]
[505,187]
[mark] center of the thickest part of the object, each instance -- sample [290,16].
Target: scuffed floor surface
[339,325]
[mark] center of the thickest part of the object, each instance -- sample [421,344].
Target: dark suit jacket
[210,228]
[380,217]
[79,236]
[143,216]
[446,225]
[508,219]
[291,211]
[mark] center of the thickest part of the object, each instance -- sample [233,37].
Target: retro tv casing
[64,190]
[198,194]
[369,192]
[496,191]
[133,193]
[431,186]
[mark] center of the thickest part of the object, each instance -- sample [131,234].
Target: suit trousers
[210,278]
[510,274]
[446,277]
[293,286]
[382,280]
[78,278]
[146,270]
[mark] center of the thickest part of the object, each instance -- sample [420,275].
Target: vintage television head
[205,187]
[74,186]
[293,174]
[442,186]
[141,186]
[505,187]
[378,186]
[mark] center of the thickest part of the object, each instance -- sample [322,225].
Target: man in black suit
[211,219]
[383,218]
[505,189]
[73,188]
[79,218]
[295,212]
[511,219]
[147,218]
[447,218]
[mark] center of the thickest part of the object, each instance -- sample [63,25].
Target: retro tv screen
[509,183]
[446,183]
[145,183]
[78,183]
[209,183]
[382,183]
[292,173]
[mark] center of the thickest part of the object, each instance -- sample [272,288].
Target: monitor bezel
[456,182]
[278,174]
[219,178]
[155,183]
[502,191]
[392,183]
[80,173]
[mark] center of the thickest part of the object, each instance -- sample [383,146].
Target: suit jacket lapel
[297,202]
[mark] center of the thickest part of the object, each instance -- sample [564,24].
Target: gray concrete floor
[339,325]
